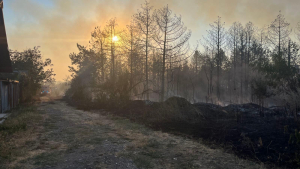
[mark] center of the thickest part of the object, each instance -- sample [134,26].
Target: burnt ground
[238,129]
[55,135]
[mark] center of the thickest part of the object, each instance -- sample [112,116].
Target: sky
[58,25]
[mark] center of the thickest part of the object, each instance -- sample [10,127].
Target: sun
[115,39]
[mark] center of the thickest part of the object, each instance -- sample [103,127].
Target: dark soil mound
[213,112]
[174,109]
[180,109]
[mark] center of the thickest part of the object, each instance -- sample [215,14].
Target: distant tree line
[152,60]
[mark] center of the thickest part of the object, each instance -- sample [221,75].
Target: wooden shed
[9,92]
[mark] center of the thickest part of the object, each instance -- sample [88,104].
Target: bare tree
[216,38]
[131,45]
[99,40]
[146,26]
[242,54]
[262,36]
[250,34]
[250,30]
[171,38]
[207,60]
[279,32]
[232,43]
[110,29]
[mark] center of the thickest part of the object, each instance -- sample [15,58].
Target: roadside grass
[95,141]
[17,132]
[142,161]
[187,165]
[147,148]
[47,159]
[18,120]
[128,125]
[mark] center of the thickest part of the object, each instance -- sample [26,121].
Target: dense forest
[152,60]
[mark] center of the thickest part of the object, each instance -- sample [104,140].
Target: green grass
[153,143]
[96,140]
[142,161]
[19,120]
[152,153]
[186,165]
[45,159]
[73,148]
[171,143]
[128,125]
[145,157]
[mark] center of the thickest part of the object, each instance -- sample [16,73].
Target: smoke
[57,25]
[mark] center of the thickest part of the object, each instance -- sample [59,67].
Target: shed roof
[5,63]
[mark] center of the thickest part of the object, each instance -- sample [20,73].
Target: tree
[260,90]
[279,32]
[32,67]
[208,66]
[99,43]
[146,25]
[196,61]
[111,32]
[242,54]
[131,44]
[171,38]
[250,31]
[216,39]
[233,42]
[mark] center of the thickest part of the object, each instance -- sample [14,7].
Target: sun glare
[115,39]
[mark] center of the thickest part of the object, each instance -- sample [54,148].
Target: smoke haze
[57,25]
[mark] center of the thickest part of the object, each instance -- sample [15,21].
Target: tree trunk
[162,97]
[147,33]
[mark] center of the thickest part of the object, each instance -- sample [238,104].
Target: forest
[152,60]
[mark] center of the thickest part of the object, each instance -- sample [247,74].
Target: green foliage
[275,77]
[280,75]
[88,89]
[32,73]
[260,88]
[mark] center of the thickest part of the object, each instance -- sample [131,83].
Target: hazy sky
[57,25]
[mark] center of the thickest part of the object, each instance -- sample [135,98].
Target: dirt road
[70,138]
